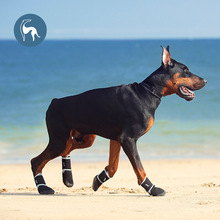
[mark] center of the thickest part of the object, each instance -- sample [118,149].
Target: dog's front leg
[130,149]
[112,167]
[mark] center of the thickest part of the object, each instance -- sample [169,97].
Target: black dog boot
[67,172]
[41,185]
[152,189]
[100,179]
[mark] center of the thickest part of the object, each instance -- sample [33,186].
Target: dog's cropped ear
[166,59]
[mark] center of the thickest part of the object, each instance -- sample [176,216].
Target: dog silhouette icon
[25,30]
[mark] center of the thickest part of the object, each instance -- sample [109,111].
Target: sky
[117,19]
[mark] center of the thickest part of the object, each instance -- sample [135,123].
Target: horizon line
[119,39]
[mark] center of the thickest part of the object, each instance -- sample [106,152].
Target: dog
[25,30]
[121,114]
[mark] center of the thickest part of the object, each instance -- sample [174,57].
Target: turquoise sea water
[31,77]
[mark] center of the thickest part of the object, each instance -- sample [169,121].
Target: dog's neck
[155,82]
[154,92]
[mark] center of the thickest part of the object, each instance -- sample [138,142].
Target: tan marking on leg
[87,141]
[69,144]
[72,144]
[40,166]
[38,163]
[115,148]
[141,175]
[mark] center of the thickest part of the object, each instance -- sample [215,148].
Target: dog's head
[27,20]
[179,79]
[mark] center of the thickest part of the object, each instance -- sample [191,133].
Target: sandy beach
[193,192]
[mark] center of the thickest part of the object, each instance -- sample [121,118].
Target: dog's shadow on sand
[29,194]
[81,192]
[33,194]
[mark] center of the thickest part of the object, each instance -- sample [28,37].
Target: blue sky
[117,19]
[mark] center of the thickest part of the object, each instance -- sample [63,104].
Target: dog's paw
[45,190]
[152,189]
[96,183]
[156,191]
[68,178]
[99,179]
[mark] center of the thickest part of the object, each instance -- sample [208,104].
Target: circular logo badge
[30,30]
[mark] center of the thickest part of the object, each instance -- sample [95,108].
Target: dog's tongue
[187,92]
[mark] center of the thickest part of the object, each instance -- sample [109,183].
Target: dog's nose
[205,81]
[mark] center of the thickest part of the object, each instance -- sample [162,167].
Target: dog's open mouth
[186,93]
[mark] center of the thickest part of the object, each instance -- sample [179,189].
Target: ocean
[30,77]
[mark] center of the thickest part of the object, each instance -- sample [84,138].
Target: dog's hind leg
[58,136]
[112,167]
[53,150]
[66,162]
[67,171]
[75,141]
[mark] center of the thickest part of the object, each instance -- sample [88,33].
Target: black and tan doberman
[121,114]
